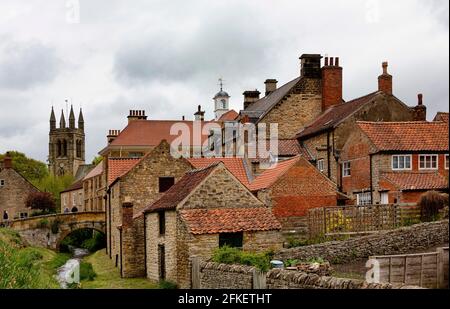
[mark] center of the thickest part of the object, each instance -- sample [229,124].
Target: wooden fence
[428,270]
[341,220]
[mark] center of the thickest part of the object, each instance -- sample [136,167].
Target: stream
[67,273]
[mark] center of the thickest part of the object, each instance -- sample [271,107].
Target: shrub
[291,262]
[43,223]
[41,201]
[228,255]
[55,226]
[95,243]
[430,203]
[167,285]
[87,271]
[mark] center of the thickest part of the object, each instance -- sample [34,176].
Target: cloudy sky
[166,56]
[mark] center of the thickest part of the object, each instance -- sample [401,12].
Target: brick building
[14,190]
[206,209]
[291,188]
[395,162]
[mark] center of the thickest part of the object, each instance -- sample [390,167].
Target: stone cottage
[140,182]
[14,191]
[206,209]
[292,187]
[395,162]
[72,198]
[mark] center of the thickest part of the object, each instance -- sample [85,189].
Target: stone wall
[223,276]
[403,240]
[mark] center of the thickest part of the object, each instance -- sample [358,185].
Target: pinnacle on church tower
[52,120]
[62,120]
[71,118]
[80,120]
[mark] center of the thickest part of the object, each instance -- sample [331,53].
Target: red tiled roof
[229,116]
[286,148]
[407,136]
[441,116]
[180,190]
[229,220]
[416,180]
[234,165]
[119,166]
[269,176]
[96,171]
[335,114]
[152,132]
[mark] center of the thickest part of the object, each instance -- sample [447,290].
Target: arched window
[224,104]
[78,149]
[74,209]
[5,215]
[65,148]
[59,148]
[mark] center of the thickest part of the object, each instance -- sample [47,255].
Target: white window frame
[321,165]
[429,155]
[446,158]
[398,161]
[363,198]
[2,182]
[348,169]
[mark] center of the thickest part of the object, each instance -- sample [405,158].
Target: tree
[97,160]
[54,185]
[430,203]
[29,168]
[42,201]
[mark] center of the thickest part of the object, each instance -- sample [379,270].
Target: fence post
[259,279]
[440,284]
[195,272]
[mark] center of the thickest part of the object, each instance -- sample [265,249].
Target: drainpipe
[109,220]
[328,155]
[120,247]
[371,181]
[145,245]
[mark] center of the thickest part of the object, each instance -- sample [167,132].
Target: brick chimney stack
[385,80]
[7,161]
[250,97]
[331,83]
[127,215]
[136,115]
[112,134]
[271,86]
[420,110]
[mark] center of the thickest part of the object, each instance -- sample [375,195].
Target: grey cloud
[26,64]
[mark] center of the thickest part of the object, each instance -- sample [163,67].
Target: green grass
[108,276]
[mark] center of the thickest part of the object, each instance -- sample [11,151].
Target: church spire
[71,118]
[62,120]
[52,120]
[80,120]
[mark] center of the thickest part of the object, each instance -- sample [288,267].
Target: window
[320,166]
[364,198]
[231,239]
[5,215]
[80,198]
[401,162]
[2,182]
[135,154]
[162,222]
[346,169]
[428,162]
[165,183]
[74,199]
[65,200]
[446,164]
[23,215]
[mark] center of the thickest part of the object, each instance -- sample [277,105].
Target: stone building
[72,198]
[324,137]
[94,189]
[141,182]
[66,144]
[395,162]
[291,188]
[206,209]
[14,191]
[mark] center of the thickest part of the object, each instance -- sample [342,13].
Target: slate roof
[335,114]
[96,171]
[77,185]
[441,116]
[229,220]
[260,108]
[235,165]
[407,135]
[416,180]
[119,166]
[180,190]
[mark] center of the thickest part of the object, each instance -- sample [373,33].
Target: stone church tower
[66,144]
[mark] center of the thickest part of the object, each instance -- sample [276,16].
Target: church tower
[66,144]
[221,102]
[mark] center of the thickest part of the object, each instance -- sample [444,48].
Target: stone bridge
[48,231]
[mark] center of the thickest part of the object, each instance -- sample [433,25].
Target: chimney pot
[420,99]
[336,62]
[326,61]
[385,66]
[331,61]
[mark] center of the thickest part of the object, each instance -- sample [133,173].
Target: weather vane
[221,80]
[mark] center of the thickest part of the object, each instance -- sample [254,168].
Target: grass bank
[108,276]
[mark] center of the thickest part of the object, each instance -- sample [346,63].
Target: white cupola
[221,102]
